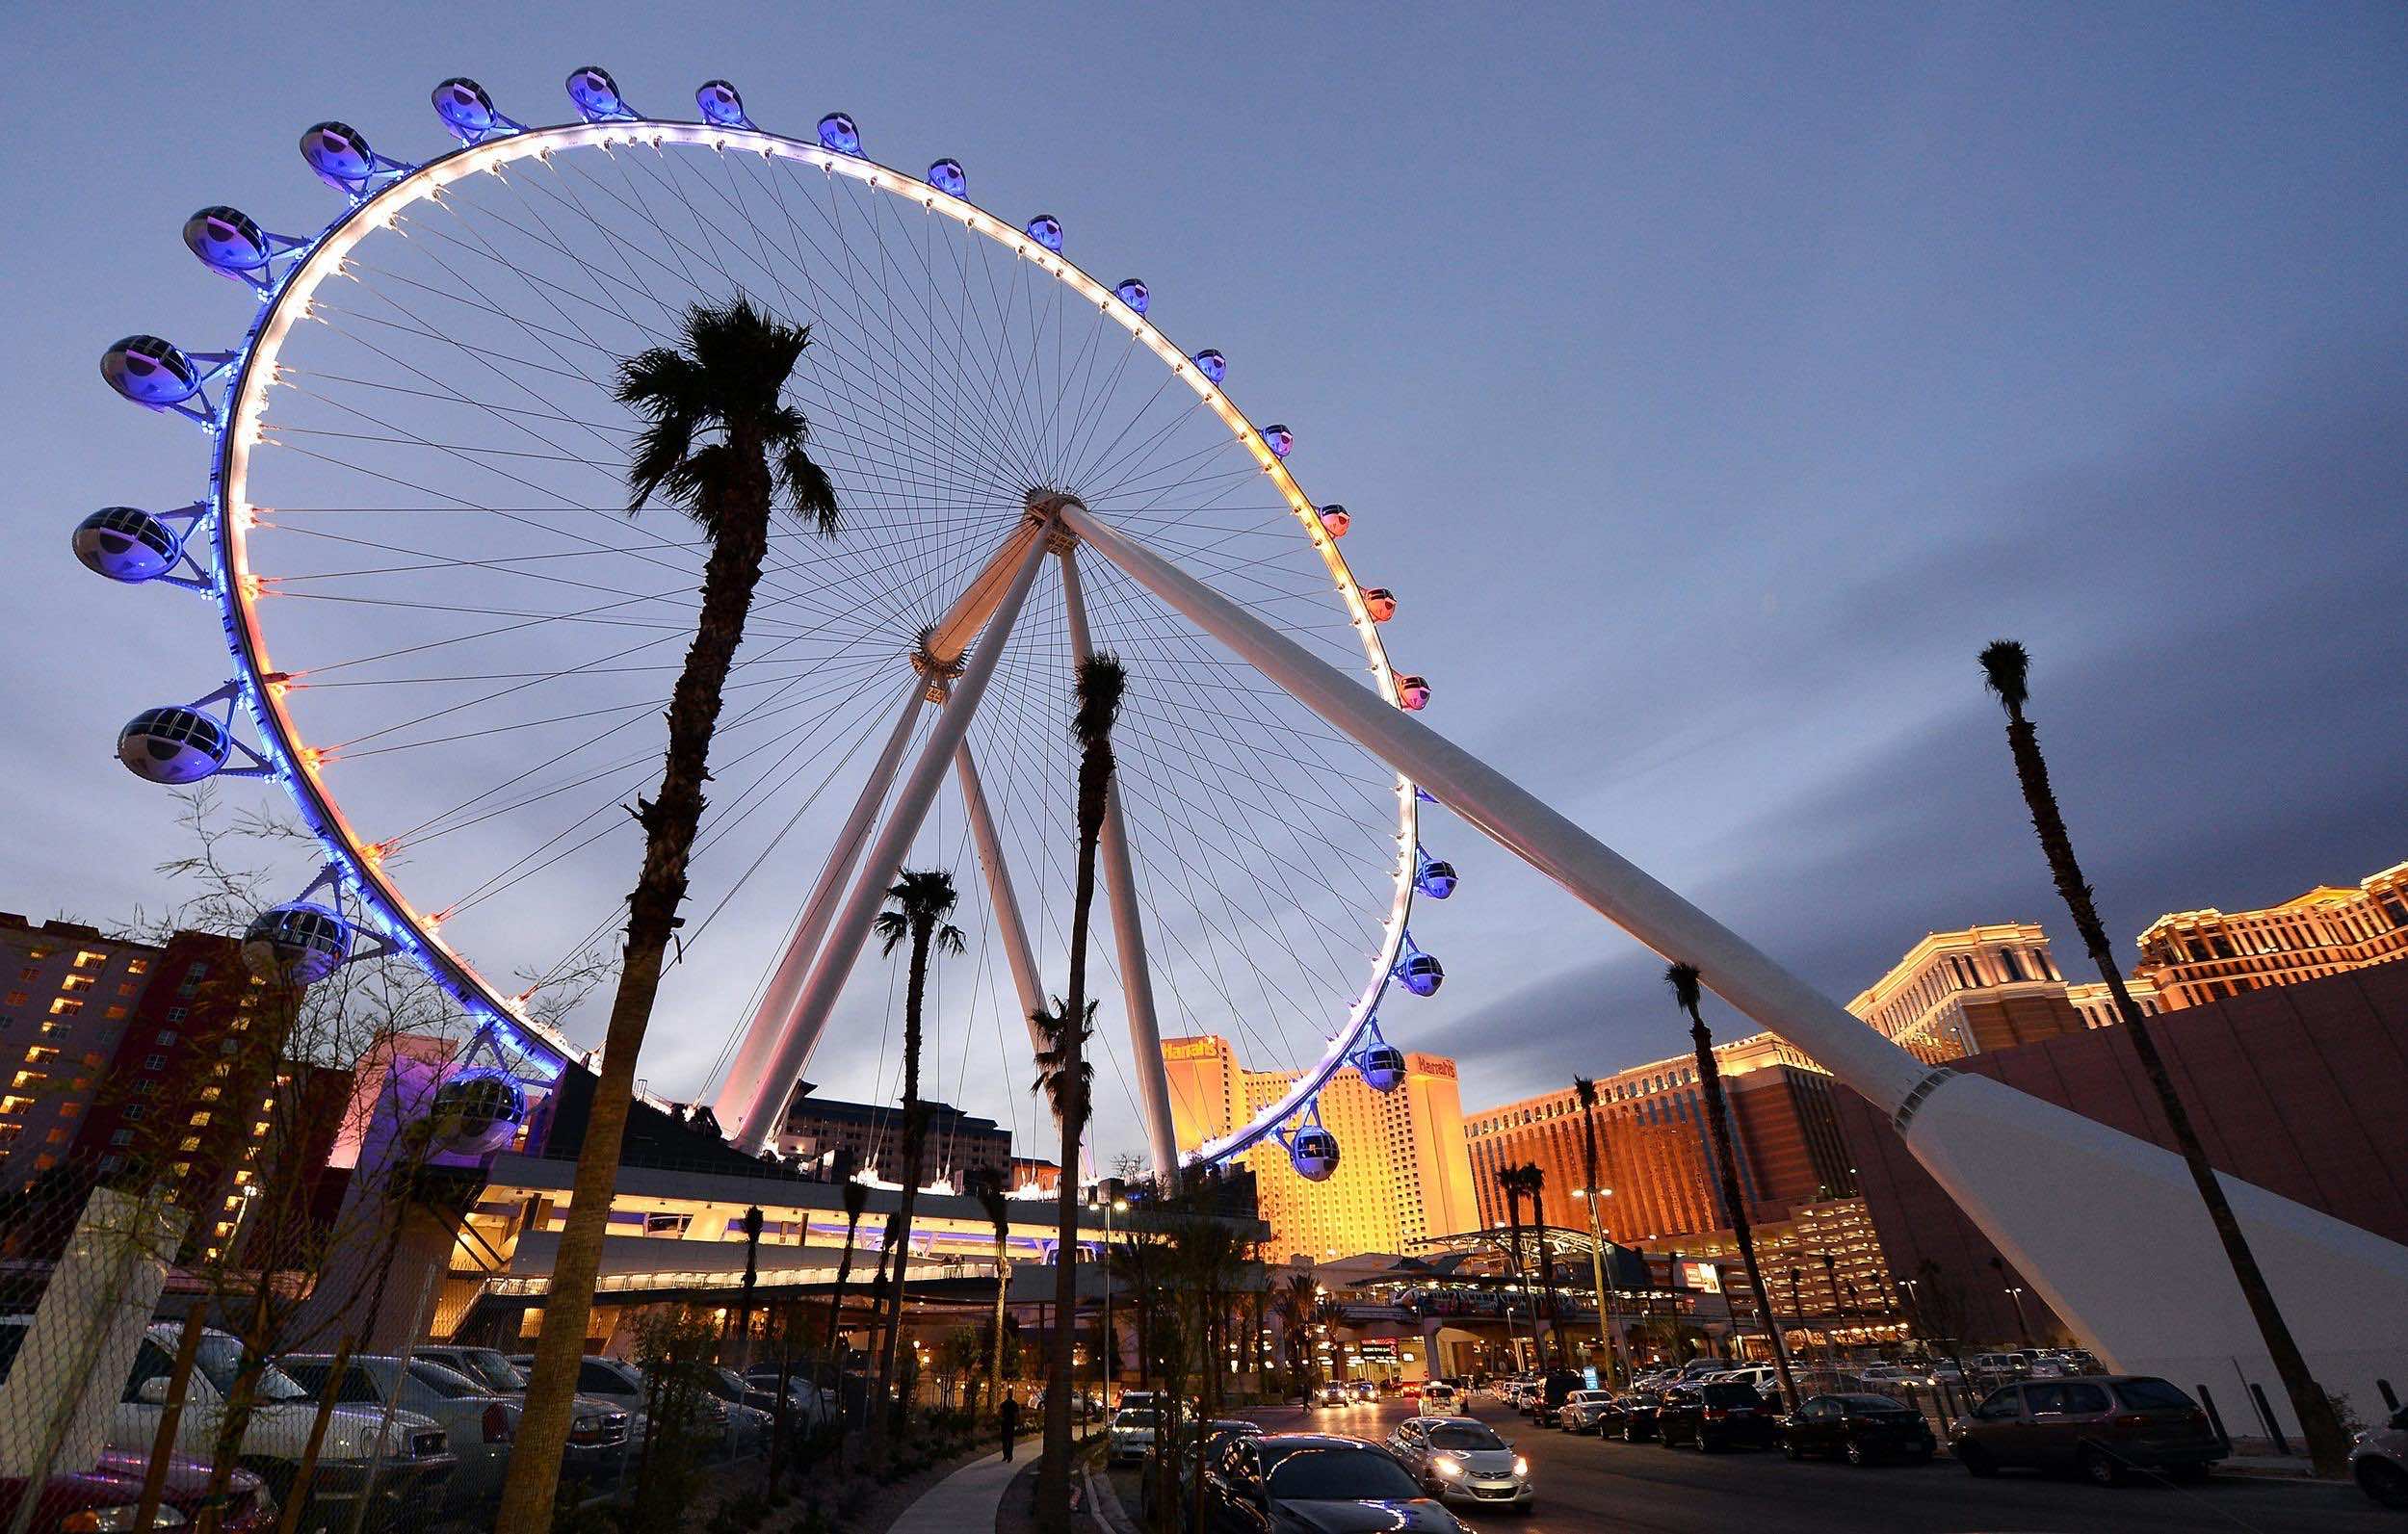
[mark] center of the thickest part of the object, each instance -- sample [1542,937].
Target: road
[1587,1484]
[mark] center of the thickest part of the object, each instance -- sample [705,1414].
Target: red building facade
[2299,1089]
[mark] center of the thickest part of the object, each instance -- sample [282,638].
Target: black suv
[1716,1416]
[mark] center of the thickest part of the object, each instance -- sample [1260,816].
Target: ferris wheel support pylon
[2106,1226]
[1137,980]
[802,943]
[940,652]
[769,1090]
[1010,929]
[1598,875]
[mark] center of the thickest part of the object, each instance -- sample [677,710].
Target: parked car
[1857,1428]
[1715,1416]
[1637,1410]
[1577,1414]
[1286,1481]
[1459,1460]
[2104,1426]
[107,1496]
[1893,1375]
[597,1434]
[1209,1436]
[478,1424]
[2378,1461]
[1996,1367]
[1550,1395]
[807,1406]
[411,1459]
[1132,1432]
[1762,1378]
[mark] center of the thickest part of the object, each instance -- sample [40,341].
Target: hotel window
[154,1063]
[86,959]
[137,966]
[63,1007]
[76,982]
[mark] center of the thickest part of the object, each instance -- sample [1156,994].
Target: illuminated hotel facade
[1401,1172]
[1656,1150]
[1972,991]
[2192,957]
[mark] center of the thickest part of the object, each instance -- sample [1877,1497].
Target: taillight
[1715,1413]
[497,1423]
[2130,1419]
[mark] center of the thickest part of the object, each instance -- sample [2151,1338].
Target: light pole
[1616,1365]
[2015,1292]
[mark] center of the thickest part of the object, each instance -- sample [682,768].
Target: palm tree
[1585,1091]
[1510,1181]
[856,1199]
[922,900]
[989,1189]
[1684,981]
[724,384]
[2006,667]
[1329,1316]
[1067,1078]
[1097,706]
[1294,1306]
[1534,1186]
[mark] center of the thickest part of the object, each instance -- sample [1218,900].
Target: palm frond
[892,927]
[1682,978]
[2005,668]
[949,940]
[1102,683]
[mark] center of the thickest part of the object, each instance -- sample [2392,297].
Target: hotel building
[1971,991]
[70,992]
[1656,1149]
[2192,957]
[1401,1170]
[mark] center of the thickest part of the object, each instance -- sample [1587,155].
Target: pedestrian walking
[1008,1415]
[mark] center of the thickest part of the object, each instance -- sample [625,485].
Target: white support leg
[802,944]
[2106,1226]
[1136,978]
[852,926]
[1009,928]
[941,648]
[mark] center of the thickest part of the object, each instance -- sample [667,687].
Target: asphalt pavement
[1589,1484]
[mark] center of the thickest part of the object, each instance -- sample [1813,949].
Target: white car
[1893,1374]
[1459,1460]
[1132,1433]
[1438,1399]
[2378,1461]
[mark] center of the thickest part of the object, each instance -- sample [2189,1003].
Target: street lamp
[1615,1363]
[2015,1292]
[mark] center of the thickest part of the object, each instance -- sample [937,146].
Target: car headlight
[1449,1467]
[114,1519]
[1521,1467]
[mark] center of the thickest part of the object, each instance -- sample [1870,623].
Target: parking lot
[1587,1483]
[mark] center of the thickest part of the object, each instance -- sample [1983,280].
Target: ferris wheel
[452,642]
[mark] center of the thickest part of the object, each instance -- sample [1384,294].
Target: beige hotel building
[1402,1173]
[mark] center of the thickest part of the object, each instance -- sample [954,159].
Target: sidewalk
[964,1502]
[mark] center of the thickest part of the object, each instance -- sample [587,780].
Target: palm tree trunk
[670,821]
[1003,1283]
[914,1136]
[1718,1113]
[2328,1445]
[836,1306]
[1053,1494]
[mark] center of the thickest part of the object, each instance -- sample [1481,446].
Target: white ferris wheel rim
[262,687]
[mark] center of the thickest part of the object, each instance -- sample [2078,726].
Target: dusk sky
[1711,382]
